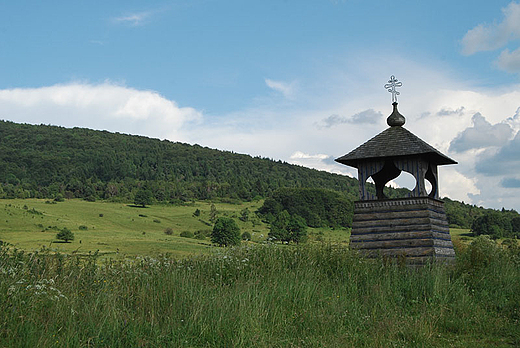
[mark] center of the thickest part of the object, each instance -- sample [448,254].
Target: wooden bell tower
[415,227]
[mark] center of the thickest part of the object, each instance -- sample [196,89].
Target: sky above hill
[301,81]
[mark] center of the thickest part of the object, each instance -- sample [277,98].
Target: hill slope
[45,161]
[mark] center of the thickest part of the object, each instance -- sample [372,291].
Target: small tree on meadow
[143,197]
[213,213]
[65,234]
[287,228]
[297,229]
[278,228]
[225,232]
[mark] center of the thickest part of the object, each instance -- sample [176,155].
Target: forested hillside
[48,161]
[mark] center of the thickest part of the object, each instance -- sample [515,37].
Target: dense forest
[47,161]
[42,161]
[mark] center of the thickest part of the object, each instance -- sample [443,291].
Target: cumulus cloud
[287,89]
[505,161]
[514,121]
[369,116]
[488,37]
[482,134]
[102,106]
[133,19]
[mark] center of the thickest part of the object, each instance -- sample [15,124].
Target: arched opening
[428,187]
[406,181]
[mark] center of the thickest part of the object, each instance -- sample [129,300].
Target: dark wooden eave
[392,143]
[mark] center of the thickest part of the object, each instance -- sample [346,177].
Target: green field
[158,290]
[117,229]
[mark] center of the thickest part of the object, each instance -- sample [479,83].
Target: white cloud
[367,116]
[287,89]
[319,162]
[103,106]
[489,37]
[301,155]
[509,61]
[133,19]
[481,135]
[456,185]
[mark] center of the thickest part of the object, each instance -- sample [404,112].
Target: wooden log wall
[415,228]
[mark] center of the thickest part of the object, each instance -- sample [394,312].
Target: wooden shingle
[394,142]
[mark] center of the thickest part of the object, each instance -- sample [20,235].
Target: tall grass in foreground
[261,296]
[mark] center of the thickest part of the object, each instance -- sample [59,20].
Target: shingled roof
[394,142]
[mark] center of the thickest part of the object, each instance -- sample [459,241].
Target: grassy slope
[120,230]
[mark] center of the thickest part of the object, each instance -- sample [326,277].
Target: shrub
[202,234]
[244,215]
[168,231]
[157,221]
[187,234]
[59,198]
[196,212]
[225,232]
[101,215]
[83,228]
[246,236]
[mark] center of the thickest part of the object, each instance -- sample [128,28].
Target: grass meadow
[117,230]
[316,295]
[158,290]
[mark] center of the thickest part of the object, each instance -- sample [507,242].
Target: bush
[225,232]
[157,221]
[59,198]
[187,234]
[90,199]
[246,236]
[168,231]
[65,234]
[244,215]
[202,234]
[83,228]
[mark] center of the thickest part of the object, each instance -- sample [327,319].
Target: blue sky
[300,81]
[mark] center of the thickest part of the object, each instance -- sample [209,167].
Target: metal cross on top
[391,85]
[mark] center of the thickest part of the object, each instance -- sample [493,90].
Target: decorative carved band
[398,202]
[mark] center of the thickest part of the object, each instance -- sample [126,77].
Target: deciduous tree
[225,232]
